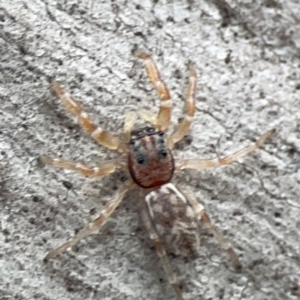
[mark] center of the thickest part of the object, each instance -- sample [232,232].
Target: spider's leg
[217,162]
[102,170]
[95,224]
[165,108]
[102,136]
[204,219]
[160,249]
[130,119]
[183,127]
[148,116]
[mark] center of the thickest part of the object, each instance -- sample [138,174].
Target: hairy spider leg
[199,164]
[182,128]
[95,224]
[102,170]
[205,220]
[165,109]
[102,136]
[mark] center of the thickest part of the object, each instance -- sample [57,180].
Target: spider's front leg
[183,127]
[95,224]
[164,116]
[165,109]
[102,136]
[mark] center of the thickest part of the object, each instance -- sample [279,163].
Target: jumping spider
[170,215]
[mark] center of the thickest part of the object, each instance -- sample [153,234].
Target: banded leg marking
[205,220]
[165,108]
[95,224]
[217,162]
[102,136]
[183,127]
[105,169]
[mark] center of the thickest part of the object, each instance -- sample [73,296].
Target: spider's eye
[149,129]
[132,142]
[140,159]
[163,153]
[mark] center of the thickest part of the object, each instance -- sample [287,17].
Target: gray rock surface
[247,58]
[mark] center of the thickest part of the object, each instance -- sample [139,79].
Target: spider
[171,216]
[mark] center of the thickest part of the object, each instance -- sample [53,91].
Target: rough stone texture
[247,58]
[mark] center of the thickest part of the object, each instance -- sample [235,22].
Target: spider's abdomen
[150,162]
[174,219]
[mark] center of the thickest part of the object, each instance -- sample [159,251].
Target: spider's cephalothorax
[150,162]
[170,216]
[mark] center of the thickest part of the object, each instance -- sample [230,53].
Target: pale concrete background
[247,58]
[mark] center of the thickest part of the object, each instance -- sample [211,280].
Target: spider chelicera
[172,217]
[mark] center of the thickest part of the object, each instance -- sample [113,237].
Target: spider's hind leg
[205,220]
[95,224]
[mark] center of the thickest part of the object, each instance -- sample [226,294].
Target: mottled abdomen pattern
[150,162]
[174,219]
